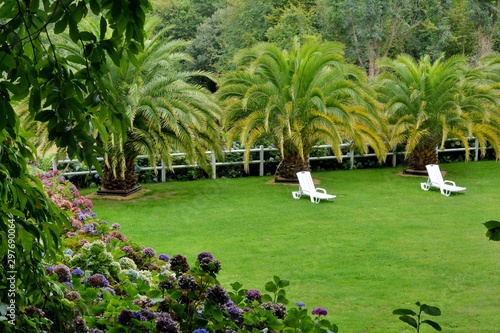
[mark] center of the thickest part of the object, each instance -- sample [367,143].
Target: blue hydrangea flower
[94,214]
[164,257]
[68,284]
[78,272]
[82,217]
[300,304]
[155,180]
[72,188]
[200,330]
[96,176]
[68,251]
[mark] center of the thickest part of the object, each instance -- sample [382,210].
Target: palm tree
[299,99]
[167,112]
[428,102]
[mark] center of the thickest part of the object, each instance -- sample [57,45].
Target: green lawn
[384,243]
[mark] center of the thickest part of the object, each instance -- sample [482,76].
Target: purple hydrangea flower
[49,270]
[82,217]
[89,229]
[165,324]
[318,311]
[164,257]
[234,311]
[127,249]
[125,316]
[98,281]
[217,295]
[78,272]
[62,272]
[115,226]
[204,255]
[253,295]
[149,252]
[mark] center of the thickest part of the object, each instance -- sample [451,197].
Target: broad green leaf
[404,312]
[61,25]
[236,286]
[283,283]
[154,293]
[271,287]
[431,310]
[433,324]
[117,330]
[409,320]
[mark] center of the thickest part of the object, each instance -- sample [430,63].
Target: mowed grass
[384,244]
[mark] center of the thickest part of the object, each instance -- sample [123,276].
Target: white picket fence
[162,168]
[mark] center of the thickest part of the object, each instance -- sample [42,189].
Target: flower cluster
[101,269]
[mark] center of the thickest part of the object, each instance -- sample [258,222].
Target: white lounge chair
[306,187]
[436,180]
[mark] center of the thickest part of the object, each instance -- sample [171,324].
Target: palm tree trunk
[421,156]
[289,166]
[118,179]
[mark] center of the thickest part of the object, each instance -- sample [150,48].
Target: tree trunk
[421,156]
[120,181]
[289,166]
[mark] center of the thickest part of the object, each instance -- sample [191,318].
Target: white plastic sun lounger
[436,180]
[306,187]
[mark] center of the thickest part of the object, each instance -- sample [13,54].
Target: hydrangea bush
[115,285]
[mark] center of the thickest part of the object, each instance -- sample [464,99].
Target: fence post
[394,158]
[352,158]
[476,157]
[214,165]
[54,163]
[163,171]
[261,156]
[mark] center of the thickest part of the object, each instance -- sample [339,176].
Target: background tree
[297,99]
[370,29]
[185,15]
[243,24]
[69,102]
[485,15]
[294,21]
[428,102]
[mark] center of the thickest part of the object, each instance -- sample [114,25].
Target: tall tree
[299,98]
[428,102]
[243,24]
[485,14]
[70,102]
[371,29]
[294,21]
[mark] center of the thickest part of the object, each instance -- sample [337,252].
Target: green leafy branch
[415,319]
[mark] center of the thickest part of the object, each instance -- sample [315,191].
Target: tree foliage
[427,102]
[297,99]
[70,102]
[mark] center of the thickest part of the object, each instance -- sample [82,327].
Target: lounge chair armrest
[450,182]
[319,189]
